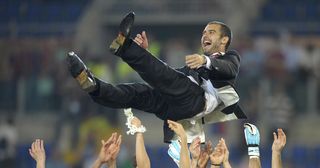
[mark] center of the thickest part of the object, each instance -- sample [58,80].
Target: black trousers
[169,95]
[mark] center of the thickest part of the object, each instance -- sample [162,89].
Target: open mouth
[206,43]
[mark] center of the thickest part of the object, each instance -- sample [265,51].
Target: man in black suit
[204,85]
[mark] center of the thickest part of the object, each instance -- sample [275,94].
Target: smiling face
[211,40]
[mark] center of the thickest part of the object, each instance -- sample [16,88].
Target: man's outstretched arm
[226,65]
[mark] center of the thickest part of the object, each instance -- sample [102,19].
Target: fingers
[282,136]
[119,140]
[144,35]
[194,61]
[38,144]
[173,125]
[41,145]
[140,38]
[274,136]
[31,153]
[195,143]
[136,122]
[33,146]
[209,147]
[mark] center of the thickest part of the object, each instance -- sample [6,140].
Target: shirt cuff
[208,64]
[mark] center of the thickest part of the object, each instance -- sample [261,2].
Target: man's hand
[279,141]
[218,155]
[195,149]
[142,40]
[205,155]
[136,122]
[110,149]
[178,129]
[225,162]
[203,159]
[195,61]
[38,152]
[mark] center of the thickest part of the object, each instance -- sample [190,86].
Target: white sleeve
[208,64]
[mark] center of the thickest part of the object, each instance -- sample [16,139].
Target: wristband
[215,164]
[132,128]
[253,151]
[254,157]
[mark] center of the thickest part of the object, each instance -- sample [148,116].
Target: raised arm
[217,156]
[184,153]
[109,152]
[142,157]
[278,144]
[195,150]
[38,153]
[252,137]
[226,163]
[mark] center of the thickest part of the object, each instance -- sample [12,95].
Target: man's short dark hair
[225,31]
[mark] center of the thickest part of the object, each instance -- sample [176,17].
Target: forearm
[184,154]
[96,164]
[227,68]
[276,160]
[254,163]
[142,157]
[41,164]
[226,164]
[194,163]
[112,164]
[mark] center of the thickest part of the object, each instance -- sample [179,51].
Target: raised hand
[178,129]
[109,151]
[205,155]
[217,156]
[136,122]
[38,153]
[279,141]
[225,162]
[142,40]
[195,149]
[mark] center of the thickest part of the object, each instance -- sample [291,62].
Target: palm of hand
[104,155]
[216,157]
[195,153]
[278,144]
[37,150]
[38,155]
[203,159]
[279,141]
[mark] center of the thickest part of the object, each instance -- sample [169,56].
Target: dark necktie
[195,76]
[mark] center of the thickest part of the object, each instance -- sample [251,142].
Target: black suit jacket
[223,71]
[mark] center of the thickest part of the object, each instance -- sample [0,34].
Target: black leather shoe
[126,24]
[80,72]
[124,33]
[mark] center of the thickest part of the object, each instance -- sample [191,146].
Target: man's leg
[134,95]
[155,72]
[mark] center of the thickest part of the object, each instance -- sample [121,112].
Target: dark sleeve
[183,69]
[226,65]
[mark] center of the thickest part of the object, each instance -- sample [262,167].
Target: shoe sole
[126,24]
